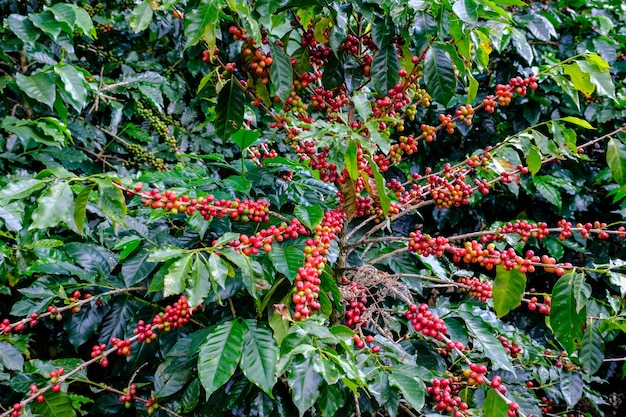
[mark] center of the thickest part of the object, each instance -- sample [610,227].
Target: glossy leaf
[260,355]
[111,200]
[385,67]
[439,75]
[10,358]
[55,404]
[591,351]
[310,216]
[217,270]
[85,323]
[304,383]
[229,109]
[200,23]
[281,72]
[571,387]
[141,16]
[567,322]
[176,277]
[80,207]
[38,86]
[199,282]
[23,28]
[494,405]
[244,138]
[616,159]
[53,207]
[412,388]
[508,290]
[220,354]
[287,260]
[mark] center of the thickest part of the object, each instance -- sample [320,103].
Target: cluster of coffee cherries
[208,207]
[123,346]
[357,301]
[263,239]
[449,190]
[127,397]
[444,392]
[257,64]
[425,245]
[423,320]
[35,392]
[319,52]
[475,375]
[157,123]
[98,351]
[510,346]
[359,342]
[152,405]
[543,308]
[475,288]
[307,280]
[465,114]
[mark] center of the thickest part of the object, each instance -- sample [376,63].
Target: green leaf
[599,75]
[281,72]
[111,200]
[176,276]
[522,46]
[245,137]
[304,383]
[229,110]
[260,355]
[577,121]
[362,105]
[287,260]
[541,28]
[439,75]
[73,82]
[548,190]
[581,291]
[330,400]
[10,358]
[494,405]
[591,351]
[201,23]
[53,207]
[165,253]
[55,404]
[350,159]
[467,10]
[385,67]
[64,13]
[310,216]
[571,387]
[381,194]
[616,159]
[39,87]
[217,270]
[141,16]
[23,28]
[20,189]
[581,80]
[191,396]
[508,290]
[220,355]
[412,388]
[80,207]
[533,160]
[484,334]
[199,283]
[84,22]
[137,268]
[84,324]
[567,322]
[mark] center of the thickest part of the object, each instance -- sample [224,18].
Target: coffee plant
[318,208]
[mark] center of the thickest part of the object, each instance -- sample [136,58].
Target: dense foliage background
[280,208]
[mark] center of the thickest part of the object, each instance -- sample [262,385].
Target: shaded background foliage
[100,94]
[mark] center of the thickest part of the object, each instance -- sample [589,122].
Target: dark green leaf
[39,87]
[508,290]
[91,257]
[73,82]
[55,404]
[521,44]
[567,322]
[229,109]
[571,387]
[191,396]
[385,67]
[137,268]
[217,270]
[304,383]
[548,190]
[591,351]
[310,216]
[467,10]
[439,75]
[287,260]
[167,383]
[260,355]
[491,346]
[330,400]
[10,358]
[220,355]
[84,324]
[412,388]
[281,72]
